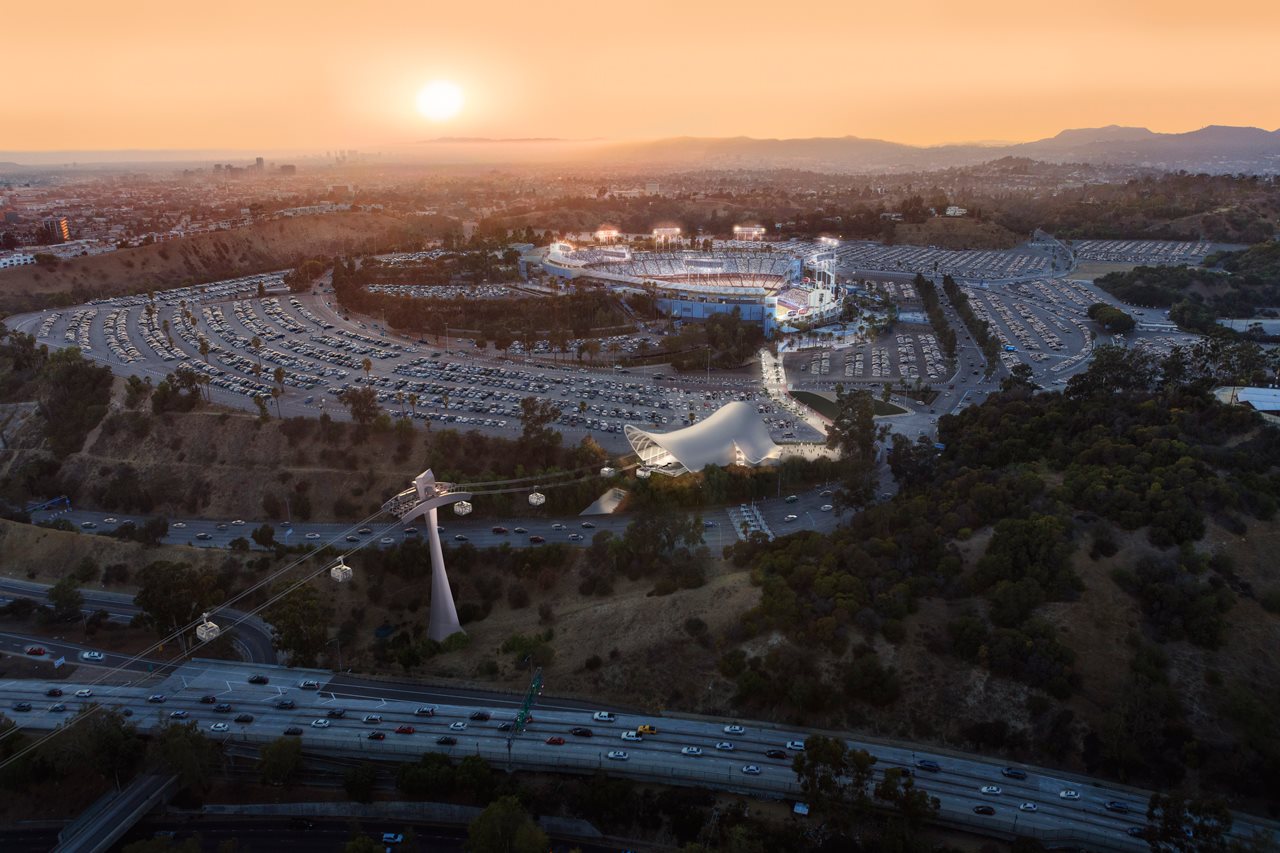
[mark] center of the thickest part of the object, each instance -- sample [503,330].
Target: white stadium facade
[764,287]
[732,435]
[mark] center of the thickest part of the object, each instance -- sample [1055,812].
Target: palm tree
[367,366]
[275,395]
[204,349]
[278,375]
[256,346]
[400,401]
[413,404]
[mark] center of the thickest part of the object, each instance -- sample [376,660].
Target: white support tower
[421,502]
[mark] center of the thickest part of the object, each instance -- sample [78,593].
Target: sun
[440,100]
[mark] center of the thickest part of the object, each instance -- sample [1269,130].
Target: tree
[367,366]
[1187,825]
[362,844]
[505,827]
[300,623]
[172,595]
[538,437]
[66,598]
[363,405]
[834,778]
[360,781]
[264,535]
[184,750]
[281,761]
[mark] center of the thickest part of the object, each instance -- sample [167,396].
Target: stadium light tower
[825,261]
[422,500]
[664,234]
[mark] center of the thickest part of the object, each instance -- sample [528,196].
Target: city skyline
[152,77]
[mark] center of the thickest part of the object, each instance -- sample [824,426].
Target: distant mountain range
[1214,149]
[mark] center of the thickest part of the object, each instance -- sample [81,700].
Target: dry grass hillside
[224,465]
[203,257]
[957,233]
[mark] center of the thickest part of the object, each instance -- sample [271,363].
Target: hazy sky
[320,75]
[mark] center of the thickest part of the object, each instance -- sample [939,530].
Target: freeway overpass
[657,758]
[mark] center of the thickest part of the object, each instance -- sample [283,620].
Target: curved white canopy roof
[733,435]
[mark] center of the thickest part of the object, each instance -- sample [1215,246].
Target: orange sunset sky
[319,75]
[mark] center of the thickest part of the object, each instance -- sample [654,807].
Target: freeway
[683,751]
[252,635]
[478,532]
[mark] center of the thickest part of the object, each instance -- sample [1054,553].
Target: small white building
[16,259]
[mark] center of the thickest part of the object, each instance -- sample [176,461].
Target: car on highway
[734,729]
[365,531]
[481,716]
[603,717]
[930,766]
[244,718]
[580,731]
[92,657]
[707,524]
[53,691]
[691,750]
[751,769]
[617,755]
[405,730]
[58,707]
[336,713]
[588,525]
[1069,794]
[208,700]
[157,698]
[35,650]
[458,726]
[219,727]
[386,540]
[178,715]
[991,790]
[725,746]
[204,537]
[446,740]
[558,526]
[575,537]
[88,525]
[555,740]
[986,810]
[372,718]
[293,730]
[458,537]
[222,708]
[519,530]
[797,745]
[499,530]
[351,537]
[309,684]
[239,522]
[826,507]
[790,518]
[286,705]
[425,711]
[84,693]
[258,679]
[505,727]
[536,540]
[312,535]
[1116,806]
[632,736]
[22,706]
[1028,807]
[409,531]
[376,735]
[774,753]
[223,526]
[1013,773]
[179,525]
[320,724]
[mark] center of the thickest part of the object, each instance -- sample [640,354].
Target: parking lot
[1147,252]
[247,345]
[856,258]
